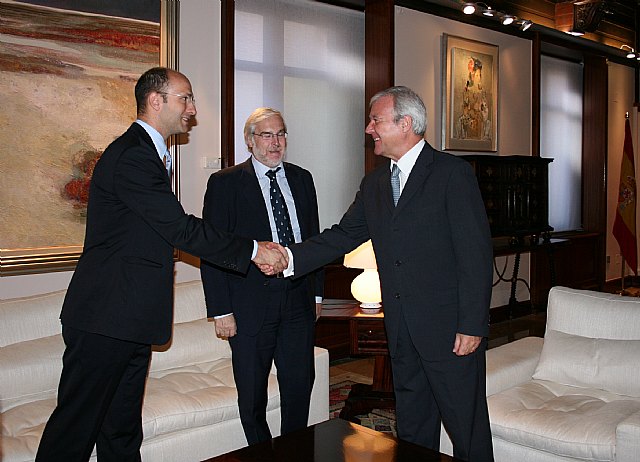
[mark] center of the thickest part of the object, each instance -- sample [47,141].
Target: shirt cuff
[289,270]
[222,316]
[255,250]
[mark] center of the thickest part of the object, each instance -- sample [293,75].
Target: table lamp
[366,286]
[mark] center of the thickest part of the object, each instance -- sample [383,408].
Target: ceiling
[608,22]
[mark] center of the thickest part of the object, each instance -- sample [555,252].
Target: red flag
[624,226]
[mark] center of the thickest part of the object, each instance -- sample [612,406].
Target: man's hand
[271,258]
[318,310]
[225,326]
[466,344]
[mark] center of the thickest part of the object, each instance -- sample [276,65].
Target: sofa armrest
[512,364]
[319,406]
[628,439]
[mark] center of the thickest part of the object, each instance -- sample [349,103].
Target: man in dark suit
[119,301]
[267,319]
[434,256]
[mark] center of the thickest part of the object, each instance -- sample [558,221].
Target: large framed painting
[469,95]
[67,73]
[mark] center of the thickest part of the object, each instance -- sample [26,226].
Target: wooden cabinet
[515,191]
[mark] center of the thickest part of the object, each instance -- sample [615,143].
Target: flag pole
[622,279]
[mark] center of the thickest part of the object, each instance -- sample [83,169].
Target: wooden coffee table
[335,440]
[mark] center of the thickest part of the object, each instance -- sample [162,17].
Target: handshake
[271,258]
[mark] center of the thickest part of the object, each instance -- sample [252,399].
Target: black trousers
[286,339]
[99,400]
[452,392]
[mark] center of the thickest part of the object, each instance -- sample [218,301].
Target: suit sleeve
[214,280]
[333,242]
[315,230]
[141,184]
[473,251]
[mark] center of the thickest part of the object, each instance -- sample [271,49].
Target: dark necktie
[280,212]
[395,183]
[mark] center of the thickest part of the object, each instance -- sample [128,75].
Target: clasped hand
[271,258]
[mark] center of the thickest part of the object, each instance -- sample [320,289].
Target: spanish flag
[624,226]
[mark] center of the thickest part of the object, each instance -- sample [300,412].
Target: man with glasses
[266,319]
[120,299]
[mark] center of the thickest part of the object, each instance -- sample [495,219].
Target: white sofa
[190,411]
[574,395]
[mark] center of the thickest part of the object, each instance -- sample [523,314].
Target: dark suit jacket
[233,202]
[433,250]
[123,284]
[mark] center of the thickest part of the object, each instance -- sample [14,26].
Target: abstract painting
[67,73]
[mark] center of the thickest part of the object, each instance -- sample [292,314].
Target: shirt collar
[408,160]
[156,137]
[262,169]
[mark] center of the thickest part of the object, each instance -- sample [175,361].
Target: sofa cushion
[194,396]
[30,371]
[29,318]
[191,343]
[611,365]
[562,420]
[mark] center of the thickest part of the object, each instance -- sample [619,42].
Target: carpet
[382,420]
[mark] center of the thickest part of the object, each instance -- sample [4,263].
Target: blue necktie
[395,183]
[280,212]
[167,162]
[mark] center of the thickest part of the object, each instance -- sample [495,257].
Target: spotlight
[507,19]
[468,8]
[631,53]
[486,9]
[524,25]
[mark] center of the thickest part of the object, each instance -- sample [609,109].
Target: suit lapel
[419,174]
[384,184]
[141,133]
[298,192]
[254,199]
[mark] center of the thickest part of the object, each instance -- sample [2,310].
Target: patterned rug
[382,420]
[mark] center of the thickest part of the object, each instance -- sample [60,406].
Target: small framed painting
[469,95]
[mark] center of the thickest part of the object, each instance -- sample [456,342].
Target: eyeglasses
[185,98]
[268,136]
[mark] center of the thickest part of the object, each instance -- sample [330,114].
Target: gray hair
[258,116]
[406,103]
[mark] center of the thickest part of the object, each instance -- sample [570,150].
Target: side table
[367,337]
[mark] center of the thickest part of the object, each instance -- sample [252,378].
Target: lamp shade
[366,286]
[362,257]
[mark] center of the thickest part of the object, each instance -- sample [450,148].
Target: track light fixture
[468,8]
[507,19]
[525,24]
[631,53]
[485,9]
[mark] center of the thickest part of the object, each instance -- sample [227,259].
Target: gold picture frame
[469,95]
[59,71]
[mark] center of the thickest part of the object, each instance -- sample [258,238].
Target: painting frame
[470,83]
[32,260]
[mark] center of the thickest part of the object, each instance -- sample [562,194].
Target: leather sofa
[190,411]
[574,395]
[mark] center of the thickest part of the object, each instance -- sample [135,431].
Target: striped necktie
[280,212]
[395,183]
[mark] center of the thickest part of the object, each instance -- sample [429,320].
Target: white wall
[621,95]
[418,65]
